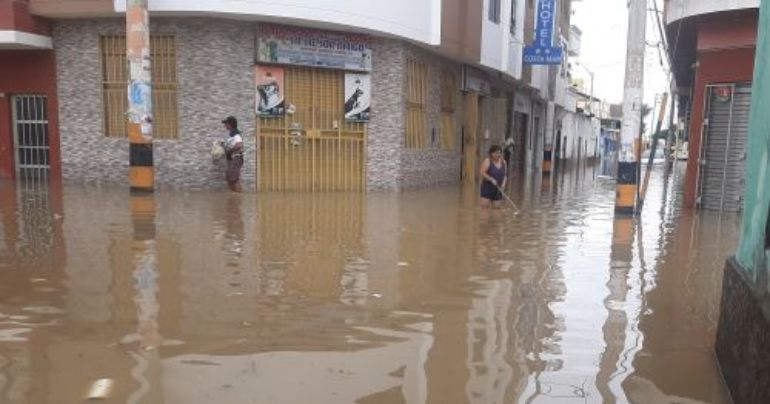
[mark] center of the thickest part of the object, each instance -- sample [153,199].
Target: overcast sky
[604,24]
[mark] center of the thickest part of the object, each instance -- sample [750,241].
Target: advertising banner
[310,47]
[270,91]
[358,97]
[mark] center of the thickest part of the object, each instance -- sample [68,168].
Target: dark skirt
[490,191]
[234,165]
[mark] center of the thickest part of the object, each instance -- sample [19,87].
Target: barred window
[494,11]
[449,92]
[164,85]
[417,94]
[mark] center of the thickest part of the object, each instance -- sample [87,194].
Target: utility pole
[628,164]
[141,173]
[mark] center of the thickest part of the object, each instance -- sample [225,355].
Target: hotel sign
[542,51]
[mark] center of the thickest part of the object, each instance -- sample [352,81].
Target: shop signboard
[270,91]
[476,81]
[311,47]
[358,97]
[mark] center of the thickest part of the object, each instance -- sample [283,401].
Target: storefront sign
[270,90]
[309,47]
[358,97]
[542,51]
[723,93]
[476,81]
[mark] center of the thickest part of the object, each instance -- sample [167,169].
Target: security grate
[164,85]
[314,148]
[417,95]
[449,94]
[31,142]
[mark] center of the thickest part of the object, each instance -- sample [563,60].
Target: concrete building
[712,45]
[744,323]
[330,95]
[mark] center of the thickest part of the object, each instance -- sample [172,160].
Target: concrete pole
[628,164]
[141,173]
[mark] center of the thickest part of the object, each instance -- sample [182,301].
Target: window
[449,91]
[417,94]
[164,85]
[512,22]
[494,11]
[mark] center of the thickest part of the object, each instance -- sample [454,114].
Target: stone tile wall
[388,119]
[215,79]
[432,165]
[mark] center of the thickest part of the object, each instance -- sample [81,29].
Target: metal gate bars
[31,143]
[313,148]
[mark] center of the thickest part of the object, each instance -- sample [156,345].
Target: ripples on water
[384,298]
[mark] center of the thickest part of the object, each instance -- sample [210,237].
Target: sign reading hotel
[310,47]
[542,51]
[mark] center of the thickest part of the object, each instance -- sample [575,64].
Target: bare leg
[485,203]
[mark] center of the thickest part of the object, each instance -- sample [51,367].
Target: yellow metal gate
[314,148]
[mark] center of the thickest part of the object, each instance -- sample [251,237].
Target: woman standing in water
[234,153]
[493,173]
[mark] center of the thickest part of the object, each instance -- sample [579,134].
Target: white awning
[24,40]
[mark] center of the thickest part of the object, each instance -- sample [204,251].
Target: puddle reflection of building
[32,261]
[313,245]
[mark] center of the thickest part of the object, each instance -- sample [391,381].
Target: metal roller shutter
[723,154]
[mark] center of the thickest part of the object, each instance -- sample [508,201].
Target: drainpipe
[141,172]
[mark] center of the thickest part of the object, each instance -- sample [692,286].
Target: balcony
[680,9]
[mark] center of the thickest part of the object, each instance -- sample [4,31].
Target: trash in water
[100,389]
[403,264]
[376,295]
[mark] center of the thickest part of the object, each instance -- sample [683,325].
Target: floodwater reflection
[382,298]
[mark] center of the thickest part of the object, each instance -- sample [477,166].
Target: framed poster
[269,81]
[358,97]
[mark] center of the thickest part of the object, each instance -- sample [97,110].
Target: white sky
[604,24]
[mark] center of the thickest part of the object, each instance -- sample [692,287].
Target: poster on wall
[311,47]
[358,97]
[269,80]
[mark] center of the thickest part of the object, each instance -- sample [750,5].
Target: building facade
[329,96]
[744,323]
[712,46]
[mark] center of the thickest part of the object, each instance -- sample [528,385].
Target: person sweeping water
[494,175]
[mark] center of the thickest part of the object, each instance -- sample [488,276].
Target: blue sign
[542,51]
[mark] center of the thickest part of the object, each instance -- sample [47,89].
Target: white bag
[217,151]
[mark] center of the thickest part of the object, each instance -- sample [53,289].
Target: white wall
[501,50]
[577,127]
[415,20]
[679,9]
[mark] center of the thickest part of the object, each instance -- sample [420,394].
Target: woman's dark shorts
[489,191]
[234,165]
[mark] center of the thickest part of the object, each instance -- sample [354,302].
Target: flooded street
[415,297]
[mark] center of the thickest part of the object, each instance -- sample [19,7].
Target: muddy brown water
[415,297]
